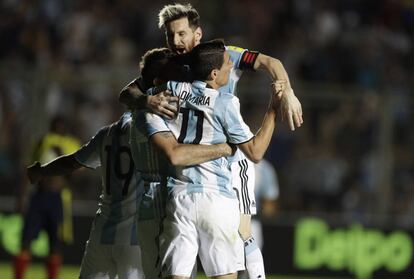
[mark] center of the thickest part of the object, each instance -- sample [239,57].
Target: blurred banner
[309,247]
[312,247]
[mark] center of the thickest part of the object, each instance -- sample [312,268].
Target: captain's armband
[247,60]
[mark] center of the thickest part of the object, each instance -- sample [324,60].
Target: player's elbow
[256,158]
[175,159]
[275,63]
[257,154]
[252,151]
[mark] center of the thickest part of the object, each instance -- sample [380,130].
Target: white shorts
[243,179]
[205,224]
[107,261]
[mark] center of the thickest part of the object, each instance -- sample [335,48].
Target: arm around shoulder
[182,155]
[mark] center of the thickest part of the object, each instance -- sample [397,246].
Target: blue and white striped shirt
[121,188]
[206,116]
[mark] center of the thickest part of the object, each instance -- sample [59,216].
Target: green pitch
[37,271]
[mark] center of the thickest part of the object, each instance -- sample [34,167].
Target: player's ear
[213,74]
[198,34]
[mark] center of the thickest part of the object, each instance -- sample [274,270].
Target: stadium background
[346,205]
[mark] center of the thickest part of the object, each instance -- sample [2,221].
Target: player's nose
[176,40]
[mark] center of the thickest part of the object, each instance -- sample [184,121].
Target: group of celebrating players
[178,167]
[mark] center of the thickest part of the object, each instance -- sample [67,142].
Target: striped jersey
[239,57]
[115,221]
[148,160]
[206,116]
[153,169]
[236,54]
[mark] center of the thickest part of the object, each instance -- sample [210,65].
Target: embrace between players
[178,180]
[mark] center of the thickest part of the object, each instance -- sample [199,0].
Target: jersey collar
[201,84]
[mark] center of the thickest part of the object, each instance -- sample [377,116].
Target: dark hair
[206,57]
[163,64]
[177,11]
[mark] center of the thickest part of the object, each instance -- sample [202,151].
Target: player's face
[224,73]
[181,38]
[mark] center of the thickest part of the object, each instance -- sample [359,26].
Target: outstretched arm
[133,98]
[60,166]
[189,154]
[257,146]
[290,106]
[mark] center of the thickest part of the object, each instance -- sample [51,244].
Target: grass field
[37,271]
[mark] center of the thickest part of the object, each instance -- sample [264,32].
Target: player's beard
[185,49]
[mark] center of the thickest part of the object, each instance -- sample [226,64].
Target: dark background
[350,63]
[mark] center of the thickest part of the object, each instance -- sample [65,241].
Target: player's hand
[278,87]
[34,172]
[291,109]
[162,104]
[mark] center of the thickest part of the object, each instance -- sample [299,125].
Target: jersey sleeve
[89,154]
[174,86]
[150,124]
[236,129]
[243,59]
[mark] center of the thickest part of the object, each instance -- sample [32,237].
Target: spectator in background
[50,202]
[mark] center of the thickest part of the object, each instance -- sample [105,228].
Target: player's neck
[212,84]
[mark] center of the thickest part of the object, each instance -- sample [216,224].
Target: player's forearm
[132,97]
[273,66]
[60,166]
[194,154]
[256,148]
[182,155]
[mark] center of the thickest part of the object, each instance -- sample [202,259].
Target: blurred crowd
[350,63]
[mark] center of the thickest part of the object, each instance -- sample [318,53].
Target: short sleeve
[236,54]
[150,124]
[243,59]
[89,154]
[237,131]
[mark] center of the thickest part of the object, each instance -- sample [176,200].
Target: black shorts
[45,212]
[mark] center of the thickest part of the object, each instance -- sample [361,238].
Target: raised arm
[255,148]
[189,154]
[290,106]
[134,98]
[60,166]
